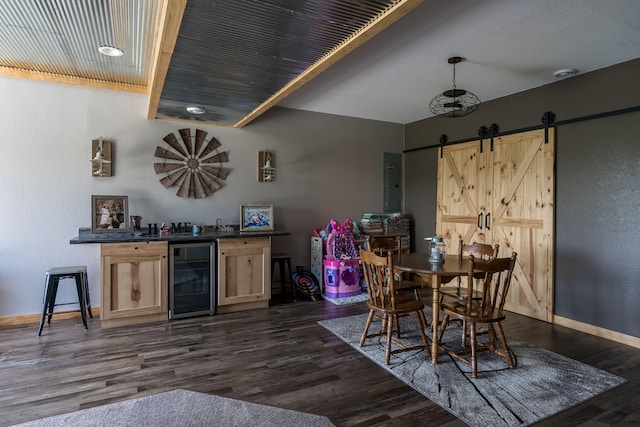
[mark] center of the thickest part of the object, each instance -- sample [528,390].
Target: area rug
[182,408]
[348,300]
[542,384]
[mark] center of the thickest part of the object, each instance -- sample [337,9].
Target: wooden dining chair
[480,251]
[387,305]
[380,245]
[383,245]
[488,309]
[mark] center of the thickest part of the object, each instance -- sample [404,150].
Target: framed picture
[109,214]
[256,217]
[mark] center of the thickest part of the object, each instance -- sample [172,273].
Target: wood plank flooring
[277,356]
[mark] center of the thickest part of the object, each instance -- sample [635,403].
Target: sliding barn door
[504,196]
[522,217]
[462,201]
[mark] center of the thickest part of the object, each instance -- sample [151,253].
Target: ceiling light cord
[454,78]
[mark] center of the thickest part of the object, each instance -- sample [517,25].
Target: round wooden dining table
[434,275]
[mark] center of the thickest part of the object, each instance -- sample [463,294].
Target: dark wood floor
[278,356]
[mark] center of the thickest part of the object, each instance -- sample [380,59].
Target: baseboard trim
[598,331]
[35,318]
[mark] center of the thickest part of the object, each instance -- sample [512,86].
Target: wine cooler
[192,279]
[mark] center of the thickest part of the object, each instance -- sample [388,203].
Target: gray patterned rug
[182,408]
[542,384]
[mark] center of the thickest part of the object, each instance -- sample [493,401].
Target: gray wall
[597,272]
[328,167]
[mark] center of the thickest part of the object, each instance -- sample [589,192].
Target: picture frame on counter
[256,217]
[109,214]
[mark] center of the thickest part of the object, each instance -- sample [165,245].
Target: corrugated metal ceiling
[229,57]
[61,37]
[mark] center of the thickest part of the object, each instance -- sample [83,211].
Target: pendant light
[454,102]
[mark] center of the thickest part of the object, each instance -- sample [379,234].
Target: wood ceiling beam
[71,80]
[165,37]
[397,11]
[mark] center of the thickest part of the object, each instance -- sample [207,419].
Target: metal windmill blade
[174,143]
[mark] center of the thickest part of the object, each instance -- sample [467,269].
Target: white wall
[327,166]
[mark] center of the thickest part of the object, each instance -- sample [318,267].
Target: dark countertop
[206,236]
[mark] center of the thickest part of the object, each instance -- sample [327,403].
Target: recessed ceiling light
[110,51]
[566,72]
[193,109]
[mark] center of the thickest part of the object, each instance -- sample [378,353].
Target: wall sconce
[101,157]
[266,170]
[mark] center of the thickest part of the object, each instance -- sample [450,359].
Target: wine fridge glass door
[192,278]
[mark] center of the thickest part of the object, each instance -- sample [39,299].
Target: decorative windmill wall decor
[192,163]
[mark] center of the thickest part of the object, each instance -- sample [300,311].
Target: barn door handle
[487,221]
[480,220]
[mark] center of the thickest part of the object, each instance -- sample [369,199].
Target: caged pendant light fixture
[454,102]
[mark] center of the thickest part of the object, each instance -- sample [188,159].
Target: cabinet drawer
[128,249]
[251,242]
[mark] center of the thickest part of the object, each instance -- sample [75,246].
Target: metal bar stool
[284,263]
[53,277]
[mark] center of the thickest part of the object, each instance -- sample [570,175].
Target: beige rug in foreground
[182,408]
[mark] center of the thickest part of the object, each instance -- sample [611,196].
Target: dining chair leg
[424,318]
[464,333]
[396,324]
[503,341]
[366,327]
[387,356]
[492,337]
[474,359]
[384,324]
[443,326]
[421,326]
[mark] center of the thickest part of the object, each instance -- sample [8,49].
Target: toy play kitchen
[342,263]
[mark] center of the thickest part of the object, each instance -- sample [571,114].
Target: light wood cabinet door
[134,283]
[244,272]
[504,196]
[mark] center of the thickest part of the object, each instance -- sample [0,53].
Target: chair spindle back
[495,280]
[378,274]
